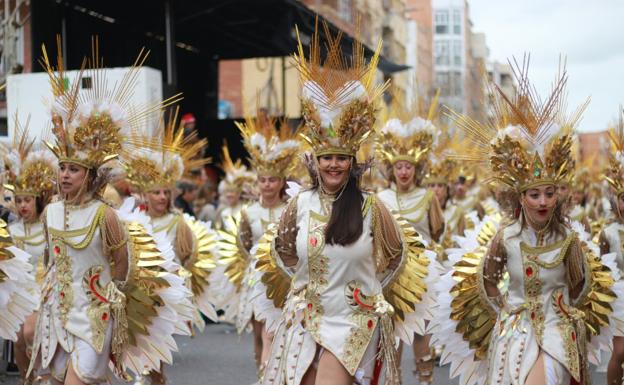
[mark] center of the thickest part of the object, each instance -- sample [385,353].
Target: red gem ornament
[313,241]
[57,250]
[573,336]
[309,306]
[370,324]
[62,294]
[104,316]
[529,271]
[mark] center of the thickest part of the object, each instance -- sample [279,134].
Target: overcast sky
[590,34]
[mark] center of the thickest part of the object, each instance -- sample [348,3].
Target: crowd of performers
[482,243]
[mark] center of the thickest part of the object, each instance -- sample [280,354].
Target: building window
[457,53]
[456,83]
[345,10]
[441,22]
[457,21]
[441,52]
[442,81]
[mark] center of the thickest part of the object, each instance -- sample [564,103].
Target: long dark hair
[346,223]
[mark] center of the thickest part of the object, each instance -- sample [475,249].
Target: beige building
[420,27]
[459,57]
[594,149]
[275,80]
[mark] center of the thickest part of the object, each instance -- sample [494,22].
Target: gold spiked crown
[237,177]
[441,167]
[582,179]
[338,96]
[441,170]
[164,158]
[29,171]
[527,142]
[90,126]
[614,175]
[408,133]
[271,145]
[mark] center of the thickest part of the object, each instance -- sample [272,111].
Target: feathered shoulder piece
[271,144]
[527,141]
[614,174]
[164,158]
[29,171]
[338,95]
[408,132]
[237,177]
[90,125]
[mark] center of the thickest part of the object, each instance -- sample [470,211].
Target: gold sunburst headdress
[582,179]
[441,167]
[409,132]
[614,175]
[90,125]
[237,177]
[338,96]
[271,144]
[164,158]
[29,171]
[527,140]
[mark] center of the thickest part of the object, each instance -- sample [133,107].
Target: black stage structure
[187,38]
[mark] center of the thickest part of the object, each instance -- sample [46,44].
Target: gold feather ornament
[237,177]
[527,141]
[271,144]
[338,96]
[614,175]
[29,171]
[409,133]
[164,158]
[91,126]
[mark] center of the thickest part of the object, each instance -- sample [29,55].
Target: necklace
[539,233]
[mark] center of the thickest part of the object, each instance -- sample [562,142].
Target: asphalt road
[220,357]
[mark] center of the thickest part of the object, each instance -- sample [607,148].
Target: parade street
[220,357]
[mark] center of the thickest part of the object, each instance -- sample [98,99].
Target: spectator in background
[184,201]
[208,202]
[188,122]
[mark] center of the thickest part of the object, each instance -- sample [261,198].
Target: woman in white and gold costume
[338,261]
[272,152]
[236,181]
[522,304]
[31,176]
[163,159]
[87,317]
[440,173]
[611,241]
[578,201]
[404,144]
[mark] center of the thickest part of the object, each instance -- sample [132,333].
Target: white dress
[338,297]
[413,205]
[30,238]
[538,312]
[253,302]
[167,226]
[74,318]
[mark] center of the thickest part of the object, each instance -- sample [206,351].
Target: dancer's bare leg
[614,369]
[537,375]
[331,372]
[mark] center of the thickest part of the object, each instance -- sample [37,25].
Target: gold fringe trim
[120,337]
[388,350]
